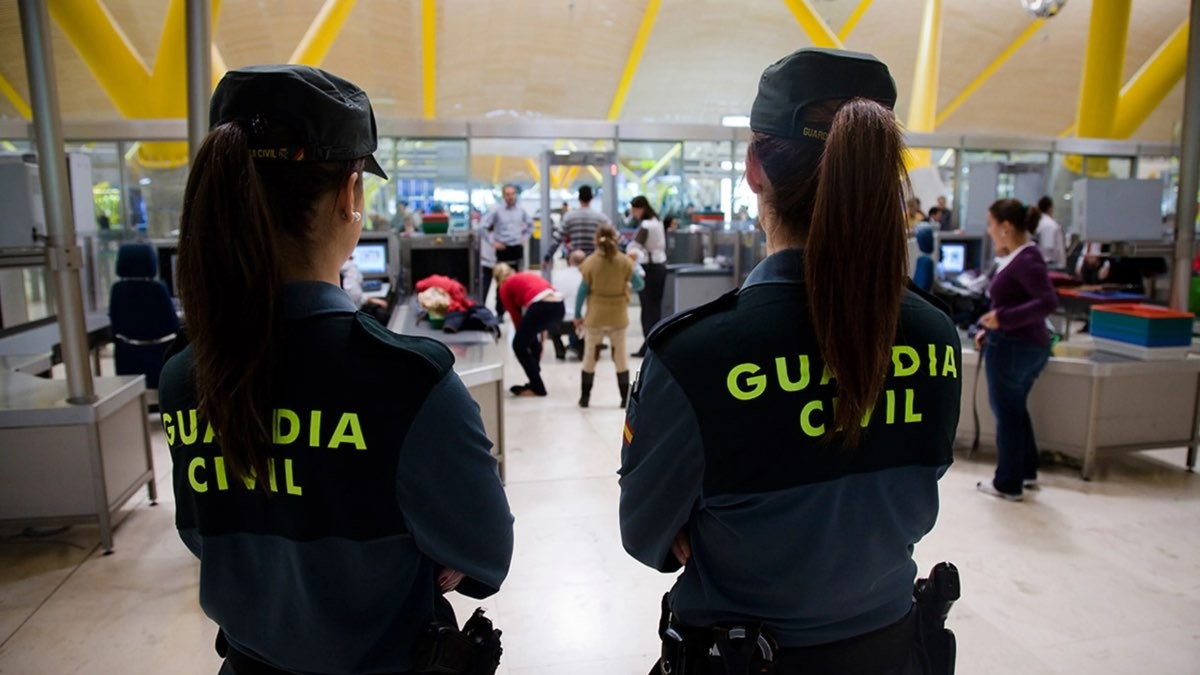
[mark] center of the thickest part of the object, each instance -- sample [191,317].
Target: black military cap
[299,114]
[808,76]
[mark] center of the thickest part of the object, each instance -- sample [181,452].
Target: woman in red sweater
[534,306]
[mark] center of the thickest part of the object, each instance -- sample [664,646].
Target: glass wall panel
[654,169]
[496,162]
[710,173]
[429,176]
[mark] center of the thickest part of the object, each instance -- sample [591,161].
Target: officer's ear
[755,176]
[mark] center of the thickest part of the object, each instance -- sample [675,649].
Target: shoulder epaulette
[436,354]
[674,323]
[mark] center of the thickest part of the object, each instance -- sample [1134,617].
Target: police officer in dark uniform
[333,478]
[783,444]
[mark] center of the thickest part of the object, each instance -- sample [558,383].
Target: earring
[357,215]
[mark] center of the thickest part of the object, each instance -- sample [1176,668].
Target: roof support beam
[852,22]
[634,59]
[14,97]
[429,58]
[661,164]
[969,90]
[922,105]
[813,25]
[317,41]
[1104,59]
[107,52]
[1145,91]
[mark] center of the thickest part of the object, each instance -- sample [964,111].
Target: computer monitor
[954,258]
[372,257]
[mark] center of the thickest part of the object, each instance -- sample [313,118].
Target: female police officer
[784,442]
[332,477]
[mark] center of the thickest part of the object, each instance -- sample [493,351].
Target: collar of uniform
[310,298]
[782,267]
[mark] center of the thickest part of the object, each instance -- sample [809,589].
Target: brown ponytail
[606,240]
[856,260]
[240,219]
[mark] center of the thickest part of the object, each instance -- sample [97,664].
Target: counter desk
[478,361]
[62,463]
[1089,404]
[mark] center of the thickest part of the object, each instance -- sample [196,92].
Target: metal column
[1189,171]
[199,71]
[63,255]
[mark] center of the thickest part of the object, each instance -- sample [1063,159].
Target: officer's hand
[979,338]
[681,548]
[449,579]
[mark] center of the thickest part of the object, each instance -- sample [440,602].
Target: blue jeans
[1012,367]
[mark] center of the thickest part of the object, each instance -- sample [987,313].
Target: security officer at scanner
[783,444]
[333,478]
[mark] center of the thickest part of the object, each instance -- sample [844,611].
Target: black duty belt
[244,664]
[882,650]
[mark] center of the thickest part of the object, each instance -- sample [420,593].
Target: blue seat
[923,275]
[143,317]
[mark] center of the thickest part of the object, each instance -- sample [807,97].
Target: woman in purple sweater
[1015,343]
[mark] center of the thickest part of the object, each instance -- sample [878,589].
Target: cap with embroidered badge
[811,75]
[299,114]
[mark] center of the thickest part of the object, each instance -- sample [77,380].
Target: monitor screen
[954,258]
[371,257]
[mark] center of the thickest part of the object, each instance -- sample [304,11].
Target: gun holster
[934,597]
[474,650]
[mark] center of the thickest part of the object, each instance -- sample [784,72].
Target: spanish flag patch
[628,433]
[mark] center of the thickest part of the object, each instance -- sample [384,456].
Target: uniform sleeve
[449,489]
[662,466]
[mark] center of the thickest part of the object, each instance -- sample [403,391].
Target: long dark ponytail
[241,218]
[856,267]
[845,203]
[1024,218]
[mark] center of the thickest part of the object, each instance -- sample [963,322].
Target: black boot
[585,388]
[623,385]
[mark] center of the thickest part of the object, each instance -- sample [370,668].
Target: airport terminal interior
[1091,106]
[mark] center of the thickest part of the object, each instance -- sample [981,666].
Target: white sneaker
[986,487]
[1030,484]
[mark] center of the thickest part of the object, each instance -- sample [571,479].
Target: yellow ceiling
[564,58]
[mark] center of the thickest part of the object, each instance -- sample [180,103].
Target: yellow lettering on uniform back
[169,427]
[249,481]
[758,383]
[866,418]
[197,484]
[948,366]
[910,417]
[289,480]
[271,475]
[806,419]
[314,429]
[348,431]
[932,360]
[222,477]
[186,436]
[209,434]
[899,353]
[891,407]
[293,422]
[785,381]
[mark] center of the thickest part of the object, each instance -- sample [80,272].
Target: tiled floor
[1100,577]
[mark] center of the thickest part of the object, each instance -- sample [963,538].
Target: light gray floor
[1097,578]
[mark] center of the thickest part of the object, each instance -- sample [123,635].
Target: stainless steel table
[64,463]
[1089,404]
